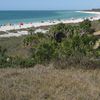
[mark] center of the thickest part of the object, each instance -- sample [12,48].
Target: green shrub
[99,20]
[70,49]
[33,39]
[3,56]
[85,26]
[64,45]
[45,51]
[77,43]
[6,61]
[26,63]
[57,28]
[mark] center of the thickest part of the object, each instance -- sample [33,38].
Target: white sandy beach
[19,33]
[16,26]
[89,12]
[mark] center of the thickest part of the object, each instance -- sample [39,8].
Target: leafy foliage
[85,26]
[45,51]
[3,56]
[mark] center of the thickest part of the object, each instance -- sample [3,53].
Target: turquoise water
[37,16]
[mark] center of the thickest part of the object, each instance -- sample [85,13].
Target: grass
[47,83]
[2,33]
[14,46]
[96,25]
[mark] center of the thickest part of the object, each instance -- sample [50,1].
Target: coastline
[38,24]
[89,12]
[47,23]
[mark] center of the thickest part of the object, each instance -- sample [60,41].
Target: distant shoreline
[93,10]
[89,12]
[48,23]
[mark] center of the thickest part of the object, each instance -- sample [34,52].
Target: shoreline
[47,23]
[38,24]
[89,12]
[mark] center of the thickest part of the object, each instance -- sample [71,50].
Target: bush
[70,50]
[6,61]
[3,56]
[99,20]
[26,63]
[34,39]
[85,26]
[44,52]
[57,28]
[77,44]
[65,46]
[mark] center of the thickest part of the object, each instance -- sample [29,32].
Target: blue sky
[48,4]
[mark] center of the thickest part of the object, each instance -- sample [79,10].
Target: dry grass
[96,25]
[14,46]
[47,83]
[2,32]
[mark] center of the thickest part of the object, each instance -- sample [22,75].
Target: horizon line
[42,9]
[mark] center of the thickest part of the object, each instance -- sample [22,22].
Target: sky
[48,4]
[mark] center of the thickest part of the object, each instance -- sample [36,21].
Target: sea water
[15,17]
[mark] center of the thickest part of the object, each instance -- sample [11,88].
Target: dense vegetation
[64,45]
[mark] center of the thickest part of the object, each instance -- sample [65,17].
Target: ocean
[15,17]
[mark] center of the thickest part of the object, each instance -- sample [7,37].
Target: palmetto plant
[85,26]
[63,42]
[31,40]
